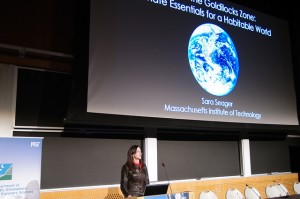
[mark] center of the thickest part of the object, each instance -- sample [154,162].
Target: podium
[182,195]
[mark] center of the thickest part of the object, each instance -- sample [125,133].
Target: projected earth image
[213,59]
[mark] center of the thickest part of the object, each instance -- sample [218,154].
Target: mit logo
[35,144]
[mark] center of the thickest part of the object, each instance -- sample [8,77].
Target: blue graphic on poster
[20,167]
[6,171]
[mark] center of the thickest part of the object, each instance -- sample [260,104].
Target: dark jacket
[134,180]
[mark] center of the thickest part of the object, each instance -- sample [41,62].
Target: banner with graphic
[20,167]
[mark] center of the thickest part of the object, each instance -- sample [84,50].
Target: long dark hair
[130,153]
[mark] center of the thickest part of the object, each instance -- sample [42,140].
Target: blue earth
[213,59]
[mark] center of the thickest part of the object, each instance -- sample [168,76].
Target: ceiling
[41,34]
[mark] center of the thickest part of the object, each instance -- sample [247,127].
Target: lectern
[182,195]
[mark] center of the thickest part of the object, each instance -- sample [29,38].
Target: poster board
[20,167]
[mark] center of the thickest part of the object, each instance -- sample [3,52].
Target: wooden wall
[219,186]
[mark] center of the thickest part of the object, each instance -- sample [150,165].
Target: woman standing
[134,174]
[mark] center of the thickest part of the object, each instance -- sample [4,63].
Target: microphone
[163,164]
